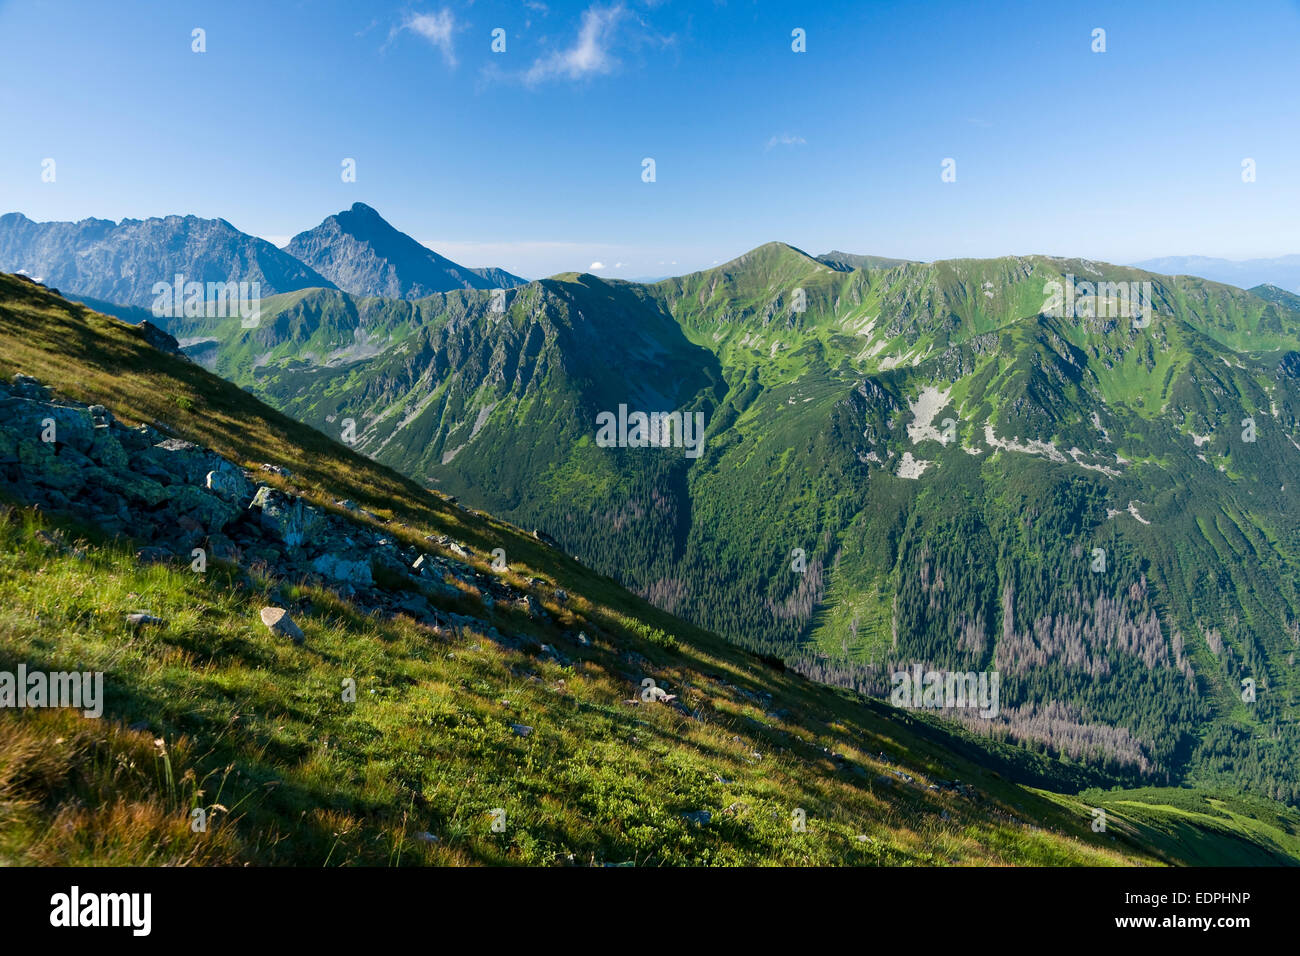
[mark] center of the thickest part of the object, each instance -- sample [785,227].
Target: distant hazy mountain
[363,254]
[1283,272]
[120,262]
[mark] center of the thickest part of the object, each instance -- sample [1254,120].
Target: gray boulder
[287,519]
[229,484]
[279,621]
[347,570]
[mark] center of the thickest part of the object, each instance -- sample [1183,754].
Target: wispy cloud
[590,54]
[438,28]
[785,139]
[545,257]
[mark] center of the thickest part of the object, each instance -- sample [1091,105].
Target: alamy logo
[939,690]
[655,430]
[1099,300]
[217,300]
[74,908]
[80,690]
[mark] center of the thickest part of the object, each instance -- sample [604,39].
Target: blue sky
[531,159]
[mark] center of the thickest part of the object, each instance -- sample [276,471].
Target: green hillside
[904,463]
[536,722]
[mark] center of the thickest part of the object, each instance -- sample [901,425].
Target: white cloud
[437,28]
[589,54]
[596,267]
[785,139]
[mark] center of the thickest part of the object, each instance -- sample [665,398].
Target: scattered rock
[658,695]
[279,621]
[700,818]
[230,485]
[154,555]
[173,495]
[24,386]
[140,619]
[416,605]
[287,518]
[338,568]
[523,730]
[221,548]
[161,340]
[548,651]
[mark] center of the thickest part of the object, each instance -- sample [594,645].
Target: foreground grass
[235,721]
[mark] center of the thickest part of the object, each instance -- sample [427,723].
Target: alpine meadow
[455,435]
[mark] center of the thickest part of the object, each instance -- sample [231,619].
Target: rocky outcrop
[184,504]
[162,340]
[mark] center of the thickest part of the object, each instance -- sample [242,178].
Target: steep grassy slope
[913,463]
[210,710]
[996,448]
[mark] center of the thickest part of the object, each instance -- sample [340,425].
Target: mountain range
[116,265]
[119,263]
[1075,474]
[359,252]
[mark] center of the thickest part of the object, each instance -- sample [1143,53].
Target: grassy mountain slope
[848,261]
[210,710]
[919,462]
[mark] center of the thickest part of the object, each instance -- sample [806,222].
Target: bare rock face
[279,621]
[120,262]
[361,253]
